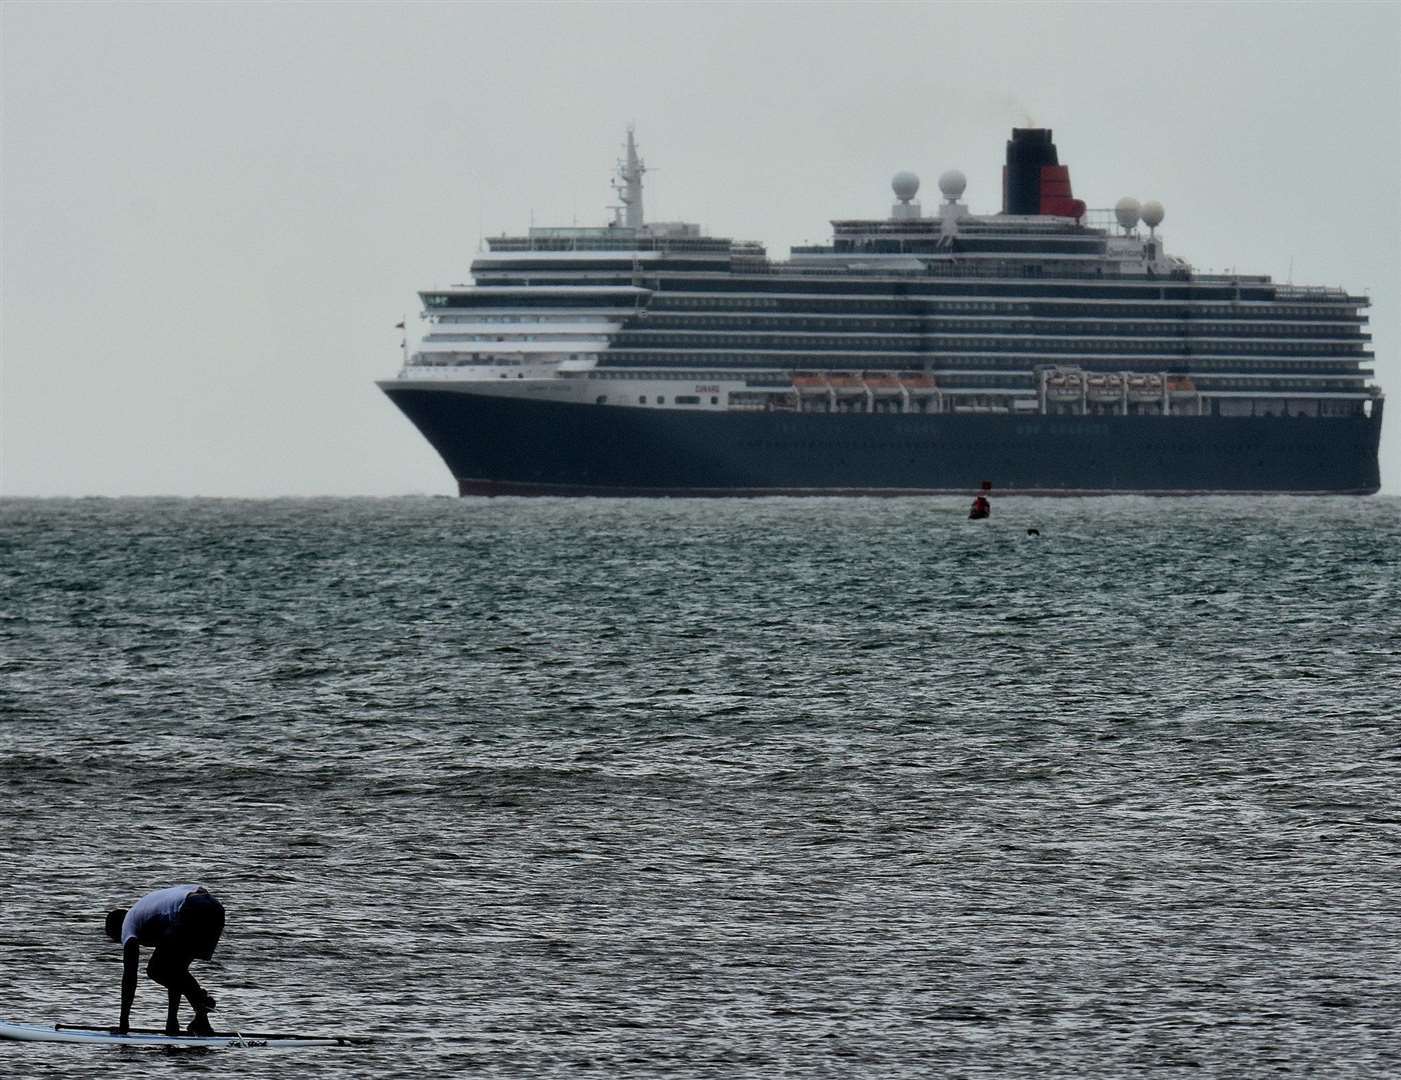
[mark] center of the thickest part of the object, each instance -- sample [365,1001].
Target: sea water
[807,788]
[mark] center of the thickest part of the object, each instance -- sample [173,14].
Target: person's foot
[199,1025]
[172,1029]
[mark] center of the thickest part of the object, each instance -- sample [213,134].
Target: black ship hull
[509,446]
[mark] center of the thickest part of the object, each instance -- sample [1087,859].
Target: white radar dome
[952,184]
[1152,213]
[905,185]
[1126,212]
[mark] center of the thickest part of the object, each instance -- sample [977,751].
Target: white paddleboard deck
[225,1040]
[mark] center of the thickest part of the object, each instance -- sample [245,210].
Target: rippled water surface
[665,789]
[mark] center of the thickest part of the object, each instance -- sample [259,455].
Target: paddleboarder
[181,923]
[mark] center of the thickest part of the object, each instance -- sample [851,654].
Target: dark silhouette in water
[981,507]
[1033,532]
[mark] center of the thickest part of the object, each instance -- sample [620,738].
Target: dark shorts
[198,926]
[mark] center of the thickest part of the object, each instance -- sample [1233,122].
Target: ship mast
[628,185]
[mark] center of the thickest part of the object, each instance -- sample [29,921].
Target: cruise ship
[1047,349]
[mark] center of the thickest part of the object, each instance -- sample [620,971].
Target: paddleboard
[228,1040]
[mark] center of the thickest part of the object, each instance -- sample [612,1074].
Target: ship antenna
[628,185]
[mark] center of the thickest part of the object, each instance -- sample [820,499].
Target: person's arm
[131,959]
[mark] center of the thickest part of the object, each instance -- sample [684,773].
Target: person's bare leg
[201,1002]
[172,1013]
[171,968]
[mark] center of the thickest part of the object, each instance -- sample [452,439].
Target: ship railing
[1309,290]
[1103,218]
[982,269]
[475,372]
[433,371]
[1231,278]
[624,242]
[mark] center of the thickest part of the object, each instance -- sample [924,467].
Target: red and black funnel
[1033,180]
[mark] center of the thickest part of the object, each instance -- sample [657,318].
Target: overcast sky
[214,214]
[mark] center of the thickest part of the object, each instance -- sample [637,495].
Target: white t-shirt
[152,917]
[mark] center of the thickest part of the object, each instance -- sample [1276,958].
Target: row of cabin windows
[661,303]
[686,288]
[1193,313]
[1198,363]
[1221,382]
[808,311]
[1298,329]
[1043,324]
[958,373]
[1213,306]
[1219,407]
[957,360]
[444,335]
[662,298]
[965,380]
[526,299]
[1039,331]
[449,320]
[939,342]
[1216,382]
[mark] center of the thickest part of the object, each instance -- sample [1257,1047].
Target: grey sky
[214,214]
